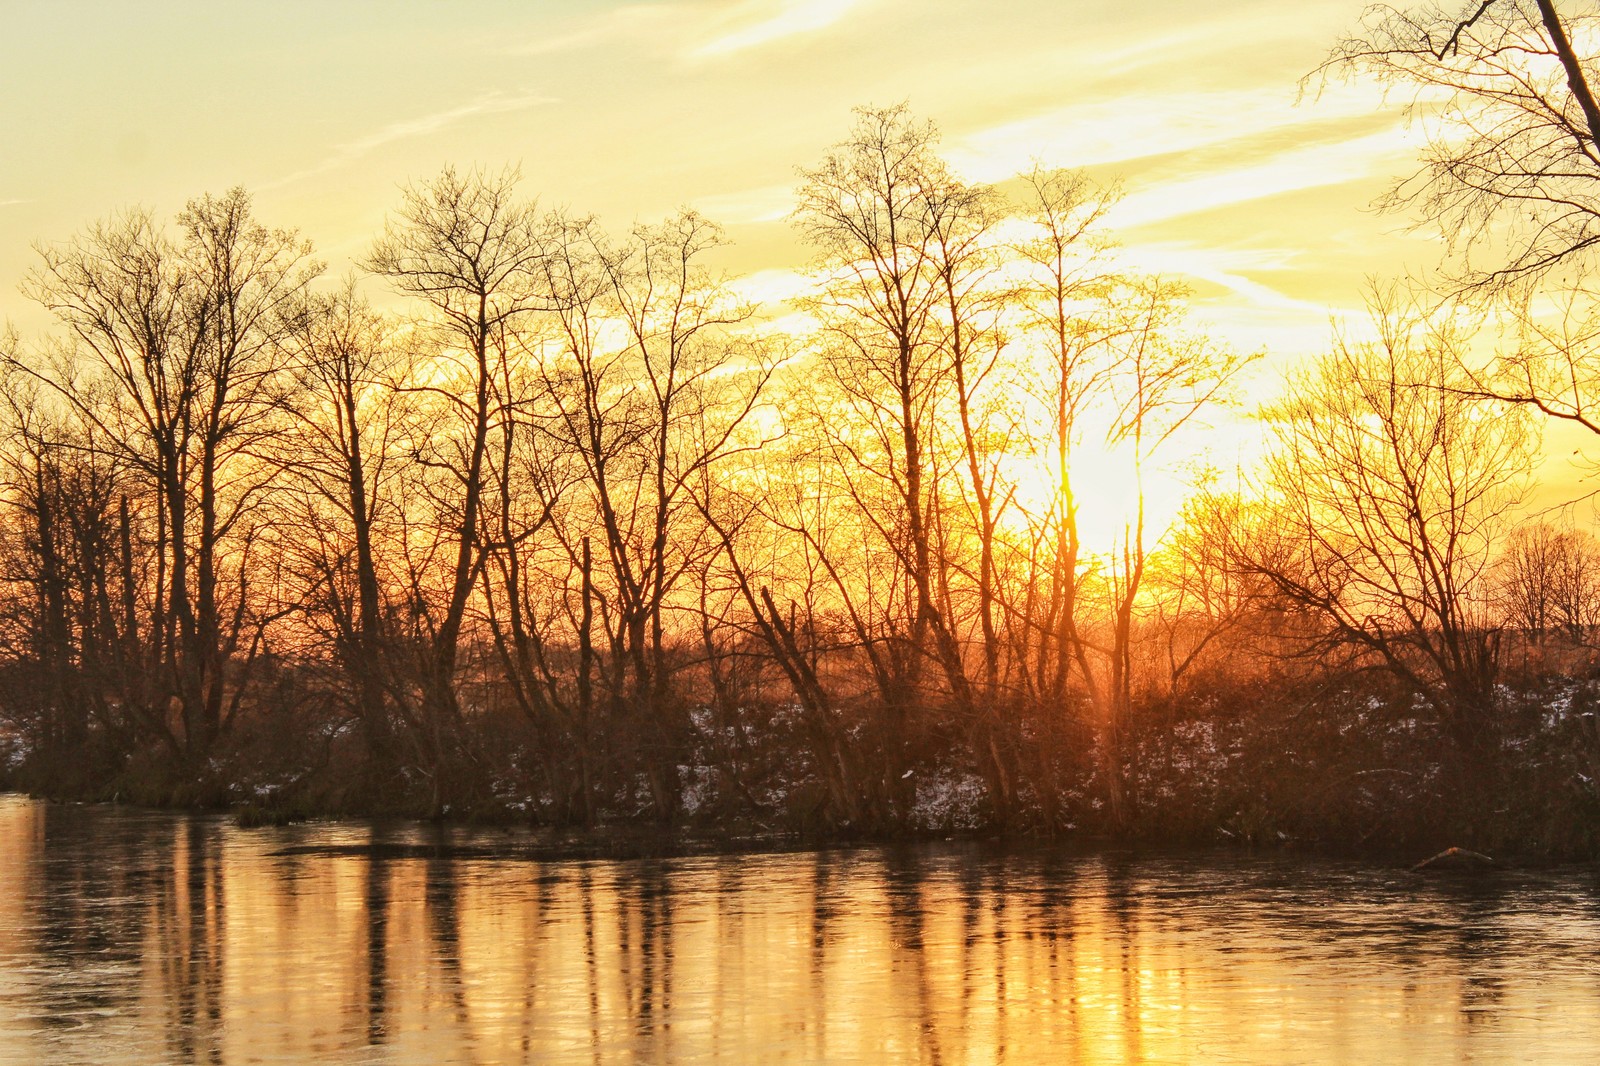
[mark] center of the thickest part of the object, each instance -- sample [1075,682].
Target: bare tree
[342,466]
[871,211]
[1548,580]
[1512,168]
[647,393]
[1391,487]
[1161,379]
[467,247]
[1069,282]
[68,638]
[174,362]
[1202,596]
[970,329]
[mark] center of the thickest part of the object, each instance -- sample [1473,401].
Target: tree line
[580,534]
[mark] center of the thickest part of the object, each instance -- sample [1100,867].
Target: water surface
[145,937]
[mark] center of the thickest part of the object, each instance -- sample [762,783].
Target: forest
[531,520]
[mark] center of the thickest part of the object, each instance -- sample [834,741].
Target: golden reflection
[185,940]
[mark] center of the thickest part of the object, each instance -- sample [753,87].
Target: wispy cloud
[1134,127]
[600,28]
[347,153]
[1286,171]
[8,203]
[1237,270]
[759,22]
[771,203]
[693,31]
[774,286]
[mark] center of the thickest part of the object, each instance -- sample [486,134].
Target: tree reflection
[377,913]
[185,940]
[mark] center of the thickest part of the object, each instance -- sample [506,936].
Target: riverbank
[397,837]
[1348,772]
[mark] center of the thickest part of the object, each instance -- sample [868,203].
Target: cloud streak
[764,22]
[406,129]
[1132,127]
[689,32]
[599,29]
[771,203]
[1287,171]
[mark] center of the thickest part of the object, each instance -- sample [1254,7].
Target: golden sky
[631,110]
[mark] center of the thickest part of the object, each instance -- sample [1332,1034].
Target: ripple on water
[146,937]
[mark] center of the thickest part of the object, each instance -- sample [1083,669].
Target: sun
[1110,491]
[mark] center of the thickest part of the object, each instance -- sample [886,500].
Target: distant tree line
[584,535]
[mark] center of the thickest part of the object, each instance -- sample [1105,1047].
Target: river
[132,936]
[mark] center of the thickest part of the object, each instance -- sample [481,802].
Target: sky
[1239,177]
[1233,179]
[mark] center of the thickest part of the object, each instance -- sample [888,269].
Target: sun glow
[1107,489]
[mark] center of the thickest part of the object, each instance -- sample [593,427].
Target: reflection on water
[154,938]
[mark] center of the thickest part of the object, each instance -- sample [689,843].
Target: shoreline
[642,841]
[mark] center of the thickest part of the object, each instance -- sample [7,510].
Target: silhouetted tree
[473,253]
[1505,89]
[1391,487]
[174,362]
